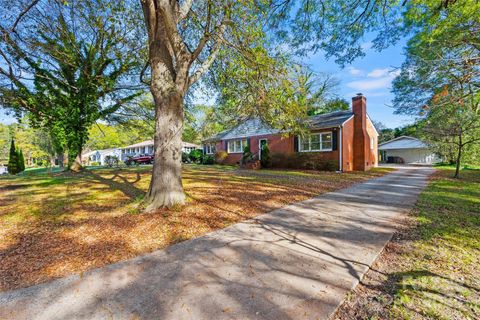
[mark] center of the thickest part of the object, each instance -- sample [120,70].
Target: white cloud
[378,73]
[354,71]
[366,45]
[362,85]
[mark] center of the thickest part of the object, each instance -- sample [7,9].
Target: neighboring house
[99,156]
[146,147]
[3,169]
[407,150]
[346,139]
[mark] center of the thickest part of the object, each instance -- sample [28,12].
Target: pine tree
[21,161]
[13,159]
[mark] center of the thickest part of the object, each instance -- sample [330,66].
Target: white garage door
[420,156]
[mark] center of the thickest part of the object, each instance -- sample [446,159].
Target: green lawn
[431,269]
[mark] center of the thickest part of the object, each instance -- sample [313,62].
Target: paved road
[297,262]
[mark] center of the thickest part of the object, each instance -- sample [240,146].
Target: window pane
[238,145]
[304,146]
[230,146]
[314,142]
[326,145]
[326,137]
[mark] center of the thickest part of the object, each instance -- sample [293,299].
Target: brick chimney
[360,137]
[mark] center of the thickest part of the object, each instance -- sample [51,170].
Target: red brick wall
[276,143]
[347,146]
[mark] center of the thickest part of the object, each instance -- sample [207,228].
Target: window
[372,143]
[236,146]
[210,148]
[317,142]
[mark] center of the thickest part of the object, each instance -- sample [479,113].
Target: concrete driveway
[297,262]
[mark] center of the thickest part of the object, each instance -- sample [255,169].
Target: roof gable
[403,142]
[249,128]
[255,127]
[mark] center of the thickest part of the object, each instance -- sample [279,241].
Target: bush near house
[311,161]
[220,156]
[196,156]
[265,158]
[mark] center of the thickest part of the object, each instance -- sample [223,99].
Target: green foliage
[185,157]
[247,156]
[21,161]
[111,161]
[78,61]
[196,155]
[208,159]
[265,159]
[13,162]
[303,160]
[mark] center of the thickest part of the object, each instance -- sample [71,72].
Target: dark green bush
[265,159]
[208,159]
[185,157]
[247,155]
[196,156]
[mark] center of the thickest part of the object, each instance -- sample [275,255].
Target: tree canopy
[66,64]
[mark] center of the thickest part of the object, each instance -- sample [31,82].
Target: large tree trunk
[166,189]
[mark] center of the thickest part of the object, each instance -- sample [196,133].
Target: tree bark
[166,189]
[459,159]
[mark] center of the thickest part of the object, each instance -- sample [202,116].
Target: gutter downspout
[340,169]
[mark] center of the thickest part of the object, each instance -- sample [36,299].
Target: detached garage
[407,150]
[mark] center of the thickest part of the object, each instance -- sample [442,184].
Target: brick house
[340,140]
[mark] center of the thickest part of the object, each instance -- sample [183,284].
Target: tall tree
[185,39]
[440,79]
[13,159]
[66,64]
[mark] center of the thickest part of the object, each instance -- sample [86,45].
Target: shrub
[303,160]
[247,155]
[185,157]
[220,156]
[21,161]
[13,160]
[208,159]
[196,155]
[265,157]
[111,161]
[95,163]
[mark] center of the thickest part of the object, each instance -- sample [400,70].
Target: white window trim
[242,146]
[315,150]
[209,147]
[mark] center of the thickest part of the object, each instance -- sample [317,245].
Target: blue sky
[371,75]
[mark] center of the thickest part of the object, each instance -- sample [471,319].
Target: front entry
[261,144]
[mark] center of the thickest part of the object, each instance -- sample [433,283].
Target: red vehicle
[141,159]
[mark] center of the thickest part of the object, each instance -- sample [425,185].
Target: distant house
[346,140]
[3,169]
[407,150]
[99,156]
[146,147]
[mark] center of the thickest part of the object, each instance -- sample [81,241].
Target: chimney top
[359,94]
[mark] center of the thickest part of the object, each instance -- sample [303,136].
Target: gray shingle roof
[329,120]
[255,127]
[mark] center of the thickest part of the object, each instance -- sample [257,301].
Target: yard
[431,269]
[55,224]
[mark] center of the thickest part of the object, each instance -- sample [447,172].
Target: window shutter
[295,143]
[248,142]
[335,140]
[225,145]
[204,149]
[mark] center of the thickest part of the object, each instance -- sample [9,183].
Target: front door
[261,144]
